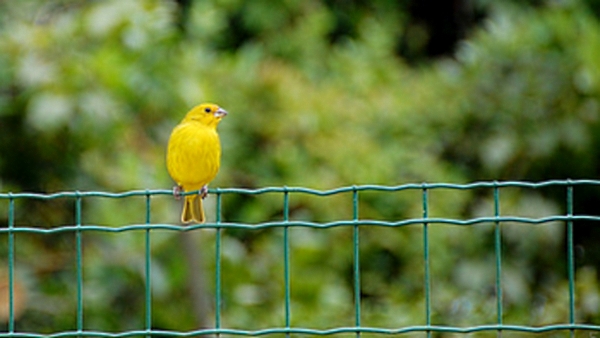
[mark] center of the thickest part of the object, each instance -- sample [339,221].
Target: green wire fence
[570,326]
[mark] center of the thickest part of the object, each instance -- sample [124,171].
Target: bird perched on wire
[194,157]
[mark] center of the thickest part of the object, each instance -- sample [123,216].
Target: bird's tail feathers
[193,212]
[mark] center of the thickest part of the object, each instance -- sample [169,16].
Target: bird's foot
[177,190]
[203,192]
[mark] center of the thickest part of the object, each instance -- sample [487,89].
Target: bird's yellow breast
[193,155]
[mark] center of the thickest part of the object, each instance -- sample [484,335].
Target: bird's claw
[203,192]
[177,190]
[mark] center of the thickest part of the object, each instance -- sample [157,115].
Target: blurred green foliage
[322,93]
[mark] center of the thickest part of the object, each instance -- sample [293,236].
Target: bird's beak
[221,112]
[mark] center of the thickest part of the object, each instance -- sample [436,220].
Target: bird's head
[206,113]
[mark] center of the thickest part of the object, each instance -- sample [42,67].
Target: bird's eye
[207,110]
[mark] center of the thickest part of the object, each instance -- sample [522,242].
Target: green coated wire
[148,286]
[306,331]
[218,264]
[498,253]
[411,186]
[11,265]
[79,264]
[570,257]
[426,260]
[356,253]
[78,228]
[290,224]
[286,258]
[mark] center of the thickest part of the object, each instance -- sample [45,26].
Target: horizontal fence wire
[355,222]
[290,224]
[306,331]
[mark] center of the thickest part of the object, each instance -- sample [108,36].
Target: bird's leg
[203,192]
[177,190]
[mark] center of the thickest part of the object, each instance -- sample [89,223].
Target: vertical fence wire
[356,254]
[79,262]
[286,259]
[426,260]
[218,263]
[498,253]
[570,258]
[11,264]
[147,272]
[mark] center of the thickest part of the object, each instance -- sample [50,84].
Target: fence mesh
[569,326]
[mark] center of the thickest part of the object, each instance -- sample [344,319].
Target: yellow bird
[194,157]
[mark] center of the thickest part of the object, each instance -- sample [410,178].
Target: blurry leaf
[19,298]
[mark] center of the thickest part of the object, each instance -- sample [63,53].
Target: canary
[194,157]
